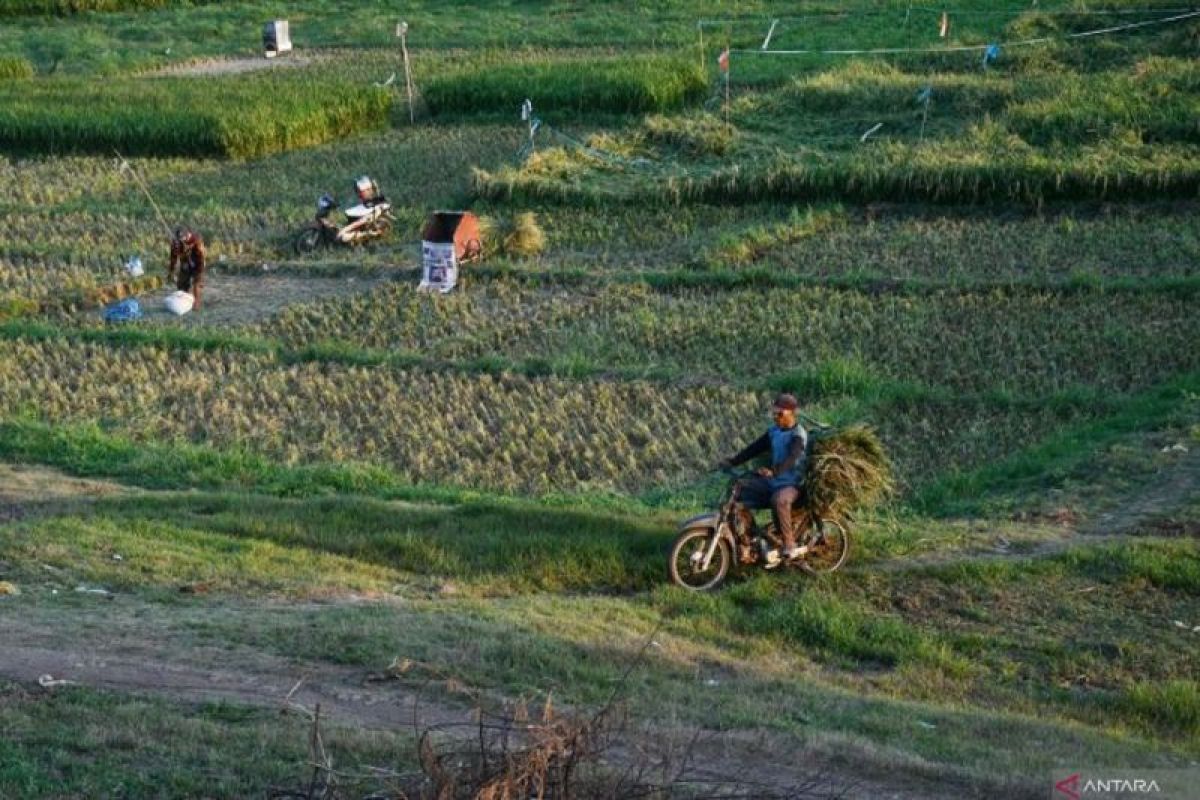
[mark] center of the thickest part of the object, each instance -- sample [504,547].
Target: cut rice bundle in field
[849,471]
[517,237]
[524,237]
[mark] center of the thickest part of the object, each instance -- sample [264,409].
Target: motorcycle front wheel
[687,557]
[308,240]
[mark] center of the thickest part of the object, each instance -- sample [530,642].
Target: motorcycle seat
[363,210]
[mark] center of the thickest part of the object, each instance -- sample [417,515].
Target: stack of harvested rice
[848,471]
[518,237]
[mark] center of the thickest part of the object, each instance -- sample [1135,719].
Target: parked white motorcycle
[371,218]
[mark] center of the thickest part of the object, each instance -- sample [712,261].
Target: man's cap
[787,402]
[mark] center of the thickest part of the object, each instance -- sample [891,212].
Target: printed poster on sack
[439,267]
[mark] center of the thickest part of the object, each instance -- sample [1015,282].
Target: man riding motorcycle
[778,486]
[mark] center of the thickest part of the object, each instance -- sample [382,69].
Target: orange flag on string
[945,25]
[723,60]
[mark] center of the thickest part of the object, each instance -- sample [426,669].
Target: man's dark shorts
[757,493]
[188,279]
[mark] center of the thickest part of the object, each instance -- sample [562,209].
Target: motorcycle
[708,546]
[370,219]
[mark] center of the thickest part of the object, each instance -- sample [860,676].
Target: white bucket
[179,302]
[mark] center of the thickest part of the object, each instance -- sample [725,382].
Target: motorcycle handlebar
[734,472]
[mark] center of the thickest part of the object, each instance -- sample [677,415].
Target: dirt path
[234,66]
[28,491]
[1176,487]
[345,695]
[1000,552]
[32,484]
[231,300]
[1140,514]
[349,696]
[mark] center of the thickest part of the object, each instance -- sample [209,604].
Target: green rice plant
[980,137]
[1157,101]
[857,88]
[67,7]
[13,67]
[988,169]
[629,84]
[234,117]
[998,171]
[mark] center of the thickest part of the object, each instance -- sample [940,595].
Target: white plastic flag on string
[533,124]
[723,61]
[923,99]
[767,41]
[945,26]
[874,129]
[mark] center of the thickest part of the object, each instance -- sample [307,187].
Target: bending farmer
[185,268]
[778,486]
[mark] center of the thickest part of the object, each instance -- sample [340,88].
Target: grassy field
[307,491]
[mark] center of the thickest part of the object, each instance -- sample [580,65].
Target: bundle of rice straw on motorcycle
[848,471]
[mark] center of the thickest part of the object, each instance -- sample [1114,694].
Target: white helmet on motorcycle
[366,188]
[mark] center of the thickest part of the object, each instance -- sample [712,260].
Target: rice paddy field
[422,511]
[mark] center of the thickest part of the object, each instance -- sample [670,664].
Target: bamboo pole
[127,167]
[402,32]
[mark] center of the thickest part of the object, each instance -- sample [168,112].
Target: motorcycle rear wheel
[308,240]
[687,553]
[828,548]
